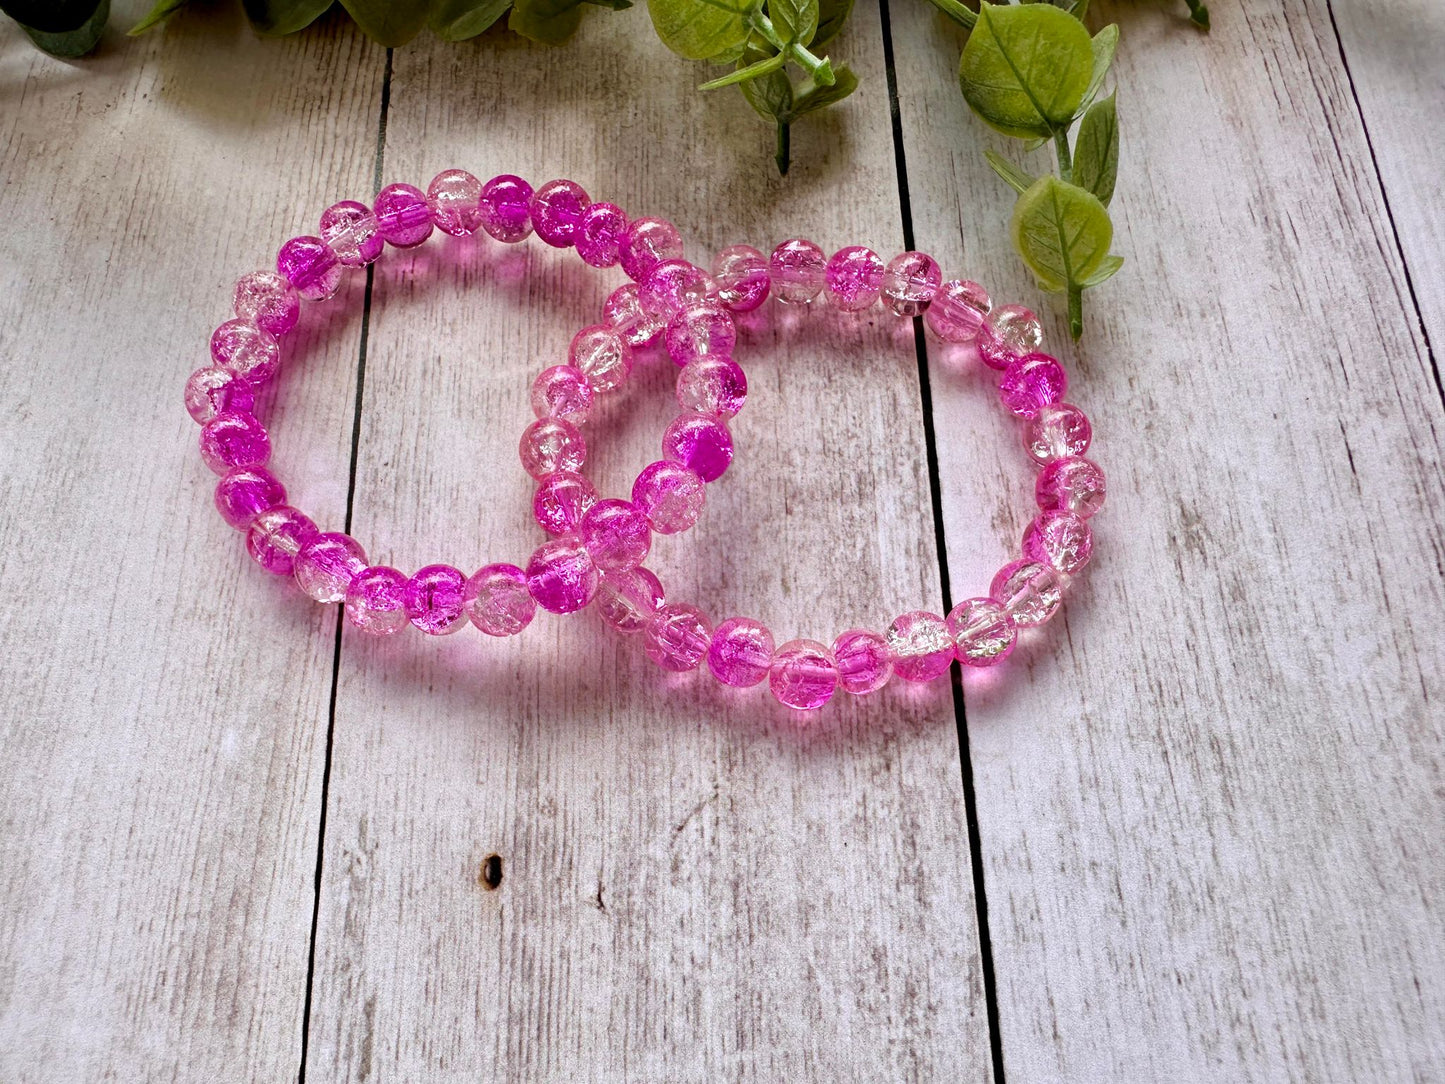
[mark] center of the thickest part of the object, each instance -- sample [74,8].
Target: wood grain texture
[1210,796]
[162,706]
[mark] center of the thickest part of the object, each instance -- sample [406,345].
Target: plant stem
[964,17]
[1066,161]
[819,68]
[1076,311]
[785,147]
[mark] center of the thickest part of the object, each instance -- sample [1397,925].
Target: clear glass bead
[983,633]
[627,598]
[956,313]
[647,242]
[616,534]
[712,385]
[213,390]
[326,565]
[455,199]
[1072,484]
[677,637]
[551,444]
[920,646]
[602,355]
[700,330]
[234,438]
[670,495]
[1057,431]
[909,282]
[374,601]
[799,271]
[1008,333]
[624,311]
[1029,591]
[1059,539]
[244,349]
[562,392]
[276,535]
[561,500]
[741,274]
[267,300]
[350,229]
[496,600]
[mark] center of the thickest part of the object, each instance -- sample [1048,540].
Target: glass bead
[909,282]
[561,500]
[674,285]
[804,675]
[799,271]
[403,215]
[506,208]
[1008,333]
[623,311]
[741,274]
[699,330]
[1073,484]
[432,599]
[562,392]
[627,598]
[676,637]
[213,390]
[1059,539]
[234,438]
[276,535]
[454,198]
[1057,432]
[956,313]
[268,301]
[245,492]
[864,663]
[855,277]
[616,534]
[309,265]
[326,565]
[983,633]
[712,385]
[602,355]
[374,601]
[561,575]
[741,652]
[549,445]
[599,232]
[1031,383]
[557,210]
[647,242]
[701,443]
[1028,591]
[244,349]
[670,495]
[351,231]
[496,600]
[920,646]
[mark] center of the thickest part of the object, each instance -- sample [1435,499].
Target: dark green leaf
[771,96]
[756,70]
[1096,154]
[698,29]
[284,16]
[389,22]
[76,41]
[615,5]
[550,22]
[1102,47]
[1198,14]
[1107,269]
[51,16]
[844,83]
[795,20]
[1025,69]
[832,14]
[1013,176]
[1061,231]
[457,20]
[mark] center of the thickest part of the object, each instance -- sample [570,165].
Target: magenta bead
[403,215]
[670,495]
[454,198]
[213,390]
[351,230]
[854,276]
[1032,383]
[624,312]
[804,675]
[326,565]
[982,631]
[647,242]
[676,637]
[561,500]
[1057,432]
[561,575]
[741,274]
[309,265]
[712,385]
[506,203]
[616,534]
[1059,539]
[1008,333]
[240,347]
[957,310]
[674,285]
[276,535]
[1073,485]
[700,330]
[599,232]
[799,271]
[602,355]
[557,211]
[496,600]
[863,660]
[920,646]
[374,601]
[741,652]
[433,599]
[562,392]
[549,445]
[627,598]
[909,282]
[1029,592]
[701,443]
[234,438]
[268,301]
[245,492]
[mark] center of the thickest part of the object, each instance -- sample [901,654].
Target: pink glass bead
[699,330]
[670,495]
[244,349]
[1009,332]
[602,355]
[673,285]
[909,282]
[803,675]
[309,265]
[562,392]
[712,385]
[561,575]
[1028,591]
[276,536]
[1057,432]
[855,277]
[741,274]
[616,534]
[957,310]
[647,242]
[374,601]
[454,198]
[1032,383]
[561,500]
[983,633]
[741,652]
[864,663]
[701,443]
[549,445]
[677,637]
[599,231]
[627,599]
[1073,485]
[244,493]
[432,599]
[351,230]
[623,310]
[234,438]
[213,390]
[920,646]
[505,205]
[557,210]
[1061,540]
[496,600]
[402,215]
[268,301]
[799,271]
[326,565]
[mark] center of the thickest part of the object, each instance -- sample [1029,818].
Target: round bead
[623,311]
[909,282]
[676,637]
[549,445]
[627,599]
[562,392]
[1029,592]
[670,495]
[855,277]
[983,633]
[432,599]
[599,231]
[699,330]
[741,274]
[647,242]
[799,271]
[310,266]
[674,285]
[920,646]
[268,301]
[712,385]
[561,575]
[234,438]
[403,215]
[561,500]
[326,565]
[374,601]
[505,207]
[350,229]
[1032,383]
[276,536]
[496,600]
[741,652]
[602,355]
[455,200]
[803,675]
[864,663]
[240,347]
[616,534]
[557,210]
[1059,539]
[213,390]
[1010,332]
[957,310]
[242,494]
[1057,432]
[1073,485]
[701,443]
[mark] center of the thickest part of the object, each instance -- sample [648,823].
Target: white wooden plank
[1209,796]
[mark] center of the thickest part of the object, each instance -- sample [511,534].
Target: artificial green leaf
[729,56]
[388,22]
[1080,9]
[832,14]
[844,83]
[157,15]
[964,17]
[1198,14]
[1061,231]
[698,29]
[795,20]
[284,16]
[549,22]
[1102,47]
[1107,269]
[1096,153]
[756,70]
[1013,176]
[1025,69]
[458,20]
[52,16]
[771,96]
[75,41]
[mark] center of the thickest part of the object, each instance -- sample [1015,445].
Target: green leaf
[1025,69]
[1061,231]
[756,70]
[1107,269]
[1013,176]
[844,83]
[388,22]
[163,10]
[771,96]
[698,29]
[51,16]
[613,5]
[549,22]
[1198,14]
[74,41]
[458,20]
[1102,47]
[1096,152]
[832,14]
[284,16]
[795,20]
[964,17]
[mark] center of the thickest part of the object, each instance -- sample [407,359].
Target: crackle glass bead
[627,598]
[670,495]
[712,385]
[909,282]
[701,443]
[432,599]
[677,637]
[799,271]
[374,601]
[245,492]
[213,390]
[957,310]
[864,662]
[699,330]
[616,534]
[244,349]
[741,652]
[624,311]
[803,675]
[1057,431]
[276,535]
[551,444]
[350,229]
[326,565]
[983,633]
[268,301]
[599,232]
[1008,333]
[455,200]
[561,575]
[309,265]
[557,211]
[741,274]
[647,242]
[920,646]
[1059,539]
[1031,383]
[1073,484]
[602,355]
[234,438]
[496,600]
[1029,592]
[562,392]
[561,500]
[505,207]
[674,285]
[854,276]
[402,215]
